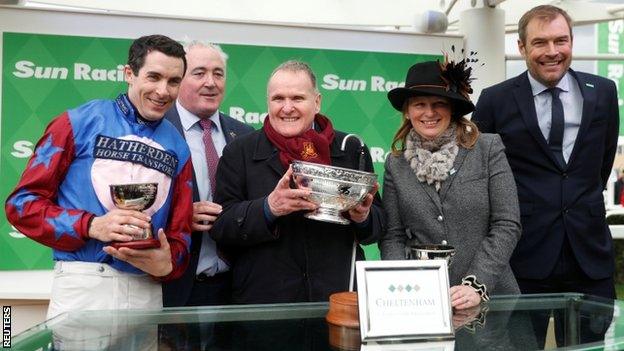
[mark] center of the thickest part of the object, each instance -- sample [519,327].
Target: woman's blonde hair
[467,131]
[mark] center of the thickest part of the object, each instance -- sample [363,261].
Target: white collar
[188,119]
[538,88]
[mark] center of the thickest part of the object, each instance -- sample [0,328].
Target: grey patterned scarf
[432,160]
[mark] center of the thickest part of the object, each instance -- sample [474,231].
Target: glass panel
[506,323]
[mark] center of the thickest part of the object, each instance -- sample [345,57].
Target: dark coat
[296,259]
[177,292]
[476,211]
[556,202]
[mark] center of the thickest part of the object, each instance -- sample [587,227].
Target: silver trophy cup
[431,252]
[139,197]
[334,189]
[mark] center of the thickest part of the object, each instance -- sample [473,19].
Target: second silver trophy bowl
[431,252]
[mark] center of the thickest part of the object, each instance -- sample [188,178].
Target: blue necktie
[555,138]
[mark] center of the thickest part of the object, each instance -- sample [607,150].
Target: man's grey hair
[189,44]
[297,66]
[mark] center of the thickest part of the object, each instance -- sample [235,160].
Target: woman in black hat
[445,183]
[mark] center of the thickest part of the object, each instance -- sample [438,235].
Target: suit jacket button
[564,175]
[440,218]
[244,236]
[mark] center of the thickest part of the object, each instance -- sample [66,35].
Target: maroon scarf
[311,146]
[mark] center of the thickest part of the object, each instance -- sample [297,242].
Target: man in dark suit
[560,130]
[206,130]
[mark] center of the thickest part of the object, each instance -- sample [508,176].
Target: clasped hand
[283,200]
[204,215]
[463,297]
[119,225]
[360,212]
[156,262]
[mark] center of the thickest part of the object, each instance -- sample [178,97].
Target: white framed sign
[439,345]
[404,300]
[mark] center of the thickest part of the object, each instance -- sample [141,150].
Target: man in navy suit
[196,116]
[560,130]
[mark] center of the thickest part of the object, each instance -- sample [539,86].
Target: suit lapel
[266,151]
[459,160]
[432,193]
[276,165]
[174,117]
[227,130]
[589,104]
[524,98]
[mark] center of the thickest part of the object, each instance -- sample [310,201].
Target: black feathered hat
[448,79]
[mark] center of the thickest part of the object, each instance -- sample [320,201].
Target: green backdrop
[42,75]
[611,41]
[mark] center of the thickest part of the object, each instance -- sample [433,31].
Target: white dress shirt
[572,101]
[209,262]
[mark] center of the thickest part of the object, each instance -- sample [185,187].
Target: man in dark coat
[560,130]
[279,255]
[207,279]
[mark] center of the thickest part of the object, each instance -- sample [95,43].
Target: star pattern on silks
[187,241]
[189,183]
[45,152]
[20,199]
[63,224]
[179,258]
